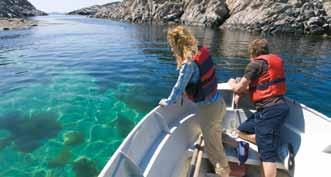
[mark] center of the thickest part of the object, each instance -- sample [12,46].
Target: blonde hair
[183,44]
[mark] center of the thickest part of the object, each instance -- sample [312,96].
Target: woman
[197,80]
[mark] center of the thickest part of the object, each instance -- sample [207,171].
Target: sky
[65,5]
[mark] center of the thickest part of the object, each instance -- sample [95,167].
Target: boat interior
[163,143]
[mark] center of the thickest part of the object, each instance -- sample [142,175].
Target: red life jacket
[207,84]
[272,83]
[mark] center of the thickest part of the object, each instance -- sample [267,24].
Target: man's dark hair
[258,47]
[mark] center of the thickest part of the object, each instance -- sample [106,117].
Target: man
[264,79]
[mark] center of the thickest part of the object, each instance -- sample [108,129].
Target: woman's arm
[185,74]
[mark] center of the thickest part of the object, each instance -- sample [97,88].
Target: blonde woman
[197,80]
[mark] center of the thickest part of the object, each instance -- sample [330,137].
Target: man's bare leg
[269,169]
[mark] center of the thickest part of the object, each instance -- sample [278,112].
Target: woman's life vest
[271,83]
[206,87]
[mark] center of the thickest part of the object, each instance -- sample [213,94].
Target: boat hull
[161,143]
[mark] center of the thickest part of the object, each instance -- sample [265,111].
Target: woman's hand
[163,102]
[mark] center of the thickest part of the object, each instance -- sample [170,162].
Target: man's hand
[232,82]
[236,99]
[239,86]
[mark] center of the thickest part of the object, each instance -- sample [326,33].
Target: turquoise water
[74,87]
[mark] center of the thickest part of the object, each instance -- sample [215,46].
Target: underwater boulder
[61,159]
[102,133]
[39,173]
[72,138]
[124,125]
[29,133]
[84,167]
[4,142]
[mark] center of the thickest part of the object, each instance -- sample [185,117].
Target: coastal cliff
[327,6]
[270,16]
[12,13]
[92,10]
[18,9]
[294,16]
[205,12]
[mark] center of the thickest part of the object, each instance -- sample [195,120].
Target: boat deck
[252,164]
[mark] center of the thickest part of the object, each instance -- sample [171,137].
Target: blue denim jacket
[188,73]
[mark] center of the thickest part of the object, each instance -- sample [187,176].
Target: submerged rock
[40,173]
[27,133]
[4,142]
[72,138]
[61,159]
[124,125]
[85,167]
[18,8]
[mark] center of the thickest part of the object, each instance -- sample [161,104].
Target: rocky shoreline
[13,14]
[18,9]
[303,17]
[16,23]
[93,10]
[269,16]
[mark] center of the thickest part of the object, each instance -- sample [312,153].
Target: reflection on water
[100,77]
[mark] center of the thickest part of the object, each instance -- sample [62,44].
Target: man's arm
[239,87]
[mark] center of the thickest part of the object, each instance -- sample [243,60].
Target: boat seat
[127,167]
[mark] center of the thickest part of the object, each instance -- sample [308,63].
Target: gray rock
[293,16]
[205,12]
[271,16]
[144,11]
[327,6]
[318,21]
[18,9]
[92,10]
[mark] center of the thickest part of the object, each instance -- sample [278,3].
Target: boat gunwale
[125,141]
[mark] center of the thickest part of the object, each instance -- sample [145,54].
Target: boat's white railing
[151,129]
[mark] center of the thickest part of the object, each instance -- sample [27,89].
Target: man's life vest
[272,83]
[207,84]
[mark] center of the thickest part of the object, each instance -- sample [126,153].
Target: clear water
[98,78]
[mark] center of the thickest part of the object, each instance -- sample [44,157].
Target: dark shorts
[266,125]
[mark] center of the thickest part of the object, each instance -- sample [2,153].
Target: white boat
[162,143]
